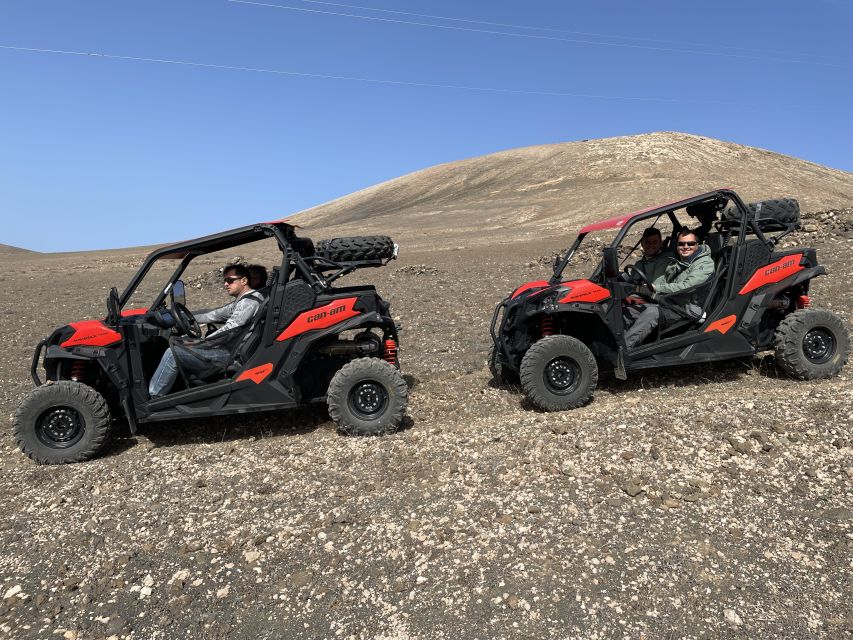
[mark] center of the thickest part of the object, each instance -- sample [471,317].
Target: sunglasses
[687,244]
[232,279]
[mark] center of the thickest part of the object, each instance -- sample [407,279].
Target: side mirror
[611,263]
[113,304]
[178,293]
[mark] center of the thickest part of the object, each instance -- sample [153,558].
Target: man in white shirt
[215,348]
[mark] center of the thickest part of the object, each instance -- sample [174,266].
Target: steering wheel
[635,274]
[186,321]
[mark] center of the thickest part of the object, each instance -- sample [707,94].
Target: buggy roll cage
[625,222]
[309,267]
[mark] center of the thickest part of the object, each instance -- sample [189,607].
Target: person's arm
[242,313]
[215,315]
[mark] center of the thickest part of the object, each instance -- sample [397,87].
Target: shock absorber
[78,370]
[804,302]
[390,354]
[546,326]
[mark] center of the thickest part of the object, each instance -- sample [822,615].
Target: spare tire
[356,248]
[783,210]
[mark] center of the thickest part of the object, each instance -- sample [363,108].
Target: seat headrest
[714,242]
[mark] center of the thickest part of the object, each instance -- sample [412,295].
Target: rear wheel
[367,397]
[811,343]
[62,422]
[558,373]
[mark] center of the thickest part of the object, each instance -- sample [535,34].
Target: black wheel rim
[368,399]
[819,345]
[60,427]
[562,375]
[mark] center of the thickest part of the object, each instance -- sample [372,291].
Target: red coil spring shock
[547,326]
[78,371]
[804,302]
[390,355]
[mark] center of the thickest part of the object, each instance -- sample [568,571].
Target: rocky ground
[704,502]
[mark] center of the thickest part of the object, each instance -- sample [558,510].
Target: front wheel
[62,422]
[811,343]
[559,373]
[367,397]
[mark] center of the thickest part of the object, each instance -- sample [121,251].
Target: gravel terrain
[705,502]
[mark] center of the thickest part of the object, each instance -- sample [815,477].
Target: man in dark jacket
[654,261]
[693,267]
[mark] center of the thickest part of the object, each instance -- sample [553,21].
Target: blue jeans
[167,370]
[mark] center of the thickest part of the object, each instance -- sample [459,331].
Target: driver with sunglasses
[692,267]
[216,348]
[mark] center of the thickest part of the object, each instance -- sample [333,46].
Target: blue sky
[101,152]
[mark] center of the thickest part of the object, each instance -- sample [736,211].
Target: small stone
[180,576]
[732,617]
[534,509]
[251,556]
[655,453]
[560,429]
[743,447]
[223,592]
[632,489]
[115,625]
[301,579]
[12,592]
[512,601]
[628,455]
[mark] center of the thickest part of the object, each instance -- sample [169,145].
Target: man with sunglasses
[216,348]
[681,283]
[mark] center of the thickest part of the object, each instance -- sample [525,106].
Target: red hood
[583,291]
[579,290]
[91,333]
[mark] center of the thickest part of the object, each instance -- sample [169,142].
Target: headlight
[548,304]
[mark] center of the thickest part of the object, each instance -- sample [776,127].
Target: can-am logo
[323,314]
[779,267]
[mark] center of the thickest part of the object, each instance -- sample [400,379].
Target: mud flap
[619,371]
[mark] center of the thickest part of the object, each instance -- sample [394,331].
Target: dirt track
[712,501]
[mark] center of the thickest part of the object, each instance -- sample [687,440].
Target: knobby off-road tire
[356,248]
[783,210]
[500,373]
[558,373]
[367,397]
[62,422]
[811,343]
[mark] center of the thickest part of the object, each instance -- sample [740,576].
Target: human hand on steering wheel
[185,320]
[644,289]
